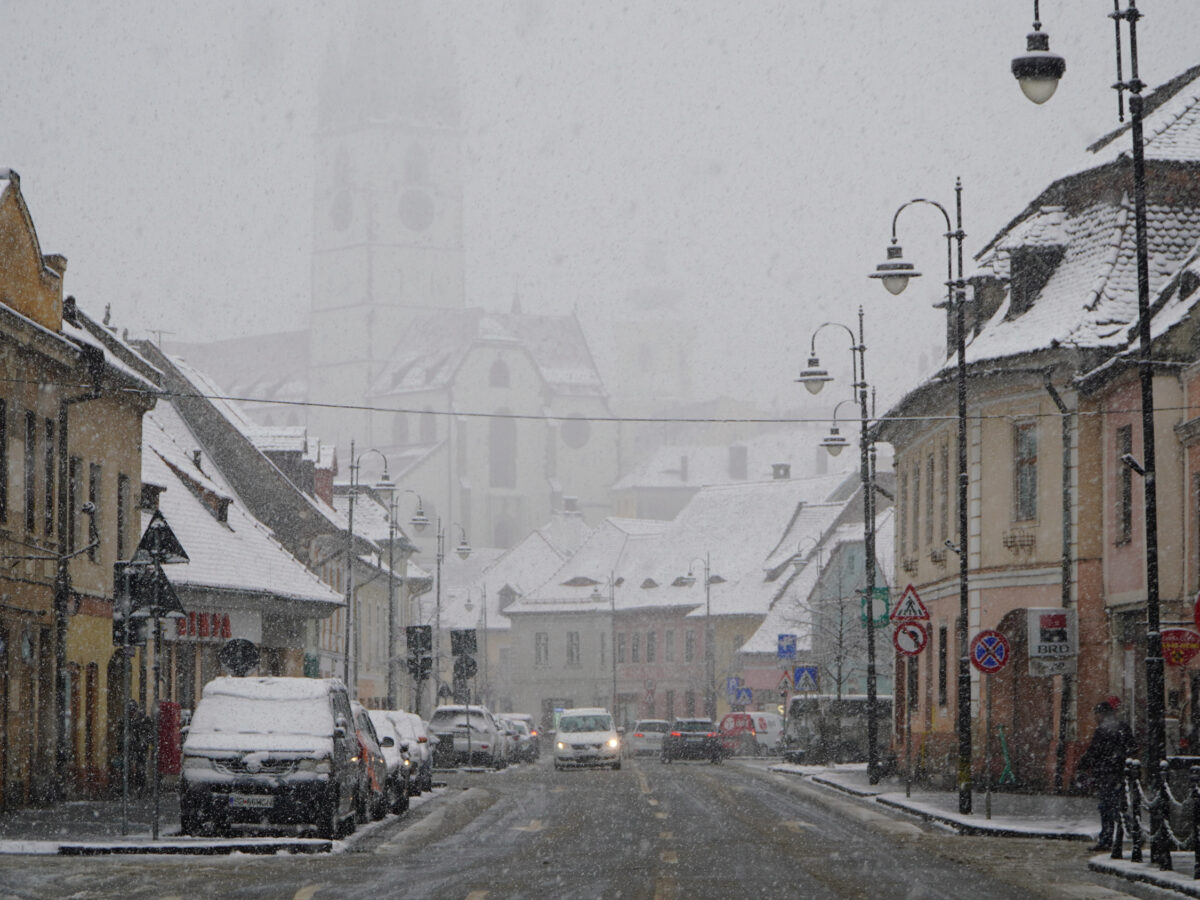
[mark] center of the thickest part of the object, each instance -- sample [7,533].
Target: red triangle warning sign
[909,607]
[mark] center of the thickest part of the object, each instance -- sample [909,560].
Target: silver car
[468,735]
[646,738]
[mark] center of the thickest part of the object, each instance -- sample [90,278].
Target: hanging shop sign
[1179,645]
[1053,641]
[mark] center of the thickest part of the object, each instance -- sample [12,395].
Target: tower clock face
[416,209]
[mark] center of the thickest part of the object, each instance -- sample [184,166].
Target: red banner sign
[1179,645]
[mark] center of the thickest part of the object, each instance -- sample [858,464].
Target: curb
[256,848]
[1145,875]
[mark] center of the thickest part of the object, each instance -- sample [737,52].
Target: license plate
[251,801]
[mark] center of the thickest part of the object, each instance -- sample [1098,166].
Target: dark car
[692,739]
[372,800]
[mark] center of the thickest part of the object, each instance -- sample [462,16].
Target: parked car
[693,739]
[535,737]
[400,769]
[587,737]
[468,734]
[276,750]
[646,739]
[413,729]
[751,733]
[523,748]
[372,786]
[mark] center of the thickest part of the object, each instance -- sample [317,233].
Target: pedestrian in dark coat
[1104,759]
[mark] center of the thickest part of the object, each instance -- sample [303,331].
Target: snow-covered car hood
[586,737]
[218,742]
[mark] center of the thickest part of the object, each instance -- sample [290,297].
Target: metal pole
[869,553]
[1155,708]
[157,668]
[612,618]
[710,658]
[346,668]
[987,750]
[437,627]
[126,690]
[391,638]
[964,666]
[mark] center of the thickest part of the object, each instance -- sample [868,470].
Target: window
[3,461]
[669,646]
[123,498]
[30,471]
[650,646]
[48,457]
[902,514]
[502,451]
[1025,470]
[634,651]
[572,648]
[689,703]
[945,492]
[689,647]
[94,516]
[541,649]
[929,487]
[621,647]
[942,657]
[1125,488]
[74,489]
[498,374]
[916,506]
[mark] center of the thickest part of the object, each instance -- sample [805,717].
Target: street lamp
[710,653]
[895,276]
[1156,741]
[1039,70]
[350,669]
[814,378]
[612,619]
[463,549]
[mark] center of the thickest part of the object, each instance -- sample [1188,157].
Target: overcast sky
[166,149]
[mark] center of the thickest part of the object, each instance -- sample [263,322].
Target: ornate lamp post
[895,274]
[1156,740]
[350,662]
[813,378]
[710,650]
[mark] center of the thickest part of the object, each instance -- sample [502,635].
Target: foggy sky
[761,148]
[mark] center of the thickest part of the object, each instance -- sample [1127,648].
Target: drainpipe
[1068,681]
[94,361]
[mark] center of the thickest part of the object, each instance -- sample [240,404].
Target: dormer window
[1030,269]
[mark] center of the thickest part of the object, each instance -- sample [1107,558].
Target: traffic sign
[910,638]
[909,607]
[787,646]
[804,679]
[989,652]
[785,683]
[744,696]
[1179,645]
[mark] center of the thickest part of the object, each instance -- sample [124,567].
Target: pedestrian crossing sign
[804,679]
[909,607]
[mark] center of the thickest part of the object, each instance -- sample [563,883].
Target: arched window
[502,452]
[498,375]
[400,429]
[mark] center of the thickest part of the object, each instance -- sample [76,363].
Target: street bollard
[1195,779]
[1135,818]
[1118,838]
[1161,839]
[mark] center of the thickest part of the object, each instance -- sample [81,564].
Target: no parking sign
[989,652]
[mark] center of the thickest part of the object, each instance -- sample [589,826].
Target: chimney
[56,263]
[781,471]
[70,312]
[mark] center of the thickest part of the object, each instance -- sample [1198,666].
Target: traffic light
[127,630]
[462,647]
[420,646]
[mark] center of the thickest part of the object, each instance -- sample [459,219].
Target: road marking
[557,790]
[534,825]
[665,889]
[306,892]
[660,815]
[796,826]
[669,856]
[476,895]
[652,802]
[665,835]
[643,781]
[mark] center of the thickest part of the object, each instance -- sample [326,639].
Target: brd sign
[1053,641]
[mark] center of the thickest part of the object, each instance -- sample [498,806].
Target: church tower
[388,203]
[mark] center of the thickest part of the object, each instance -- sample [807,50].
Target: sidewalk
[1046,816]
[93,827]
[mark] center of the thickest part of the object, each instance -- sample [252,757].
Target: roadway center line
[665,835]
[669,856]
[476,895]
[306,892]
[643,781]
[534,825]
[665,889]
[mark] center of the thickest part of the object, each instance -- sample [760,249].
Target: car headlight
[319,766]
[561,746]
[614,743]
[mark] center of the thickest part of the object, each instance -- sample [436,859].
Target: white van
[270,751]
[587,737]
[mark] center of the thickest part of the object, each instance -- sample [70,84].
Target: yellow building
[70,430]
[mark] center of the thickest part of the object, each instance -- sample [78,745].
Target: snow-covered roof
[431,349]
[239,554]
